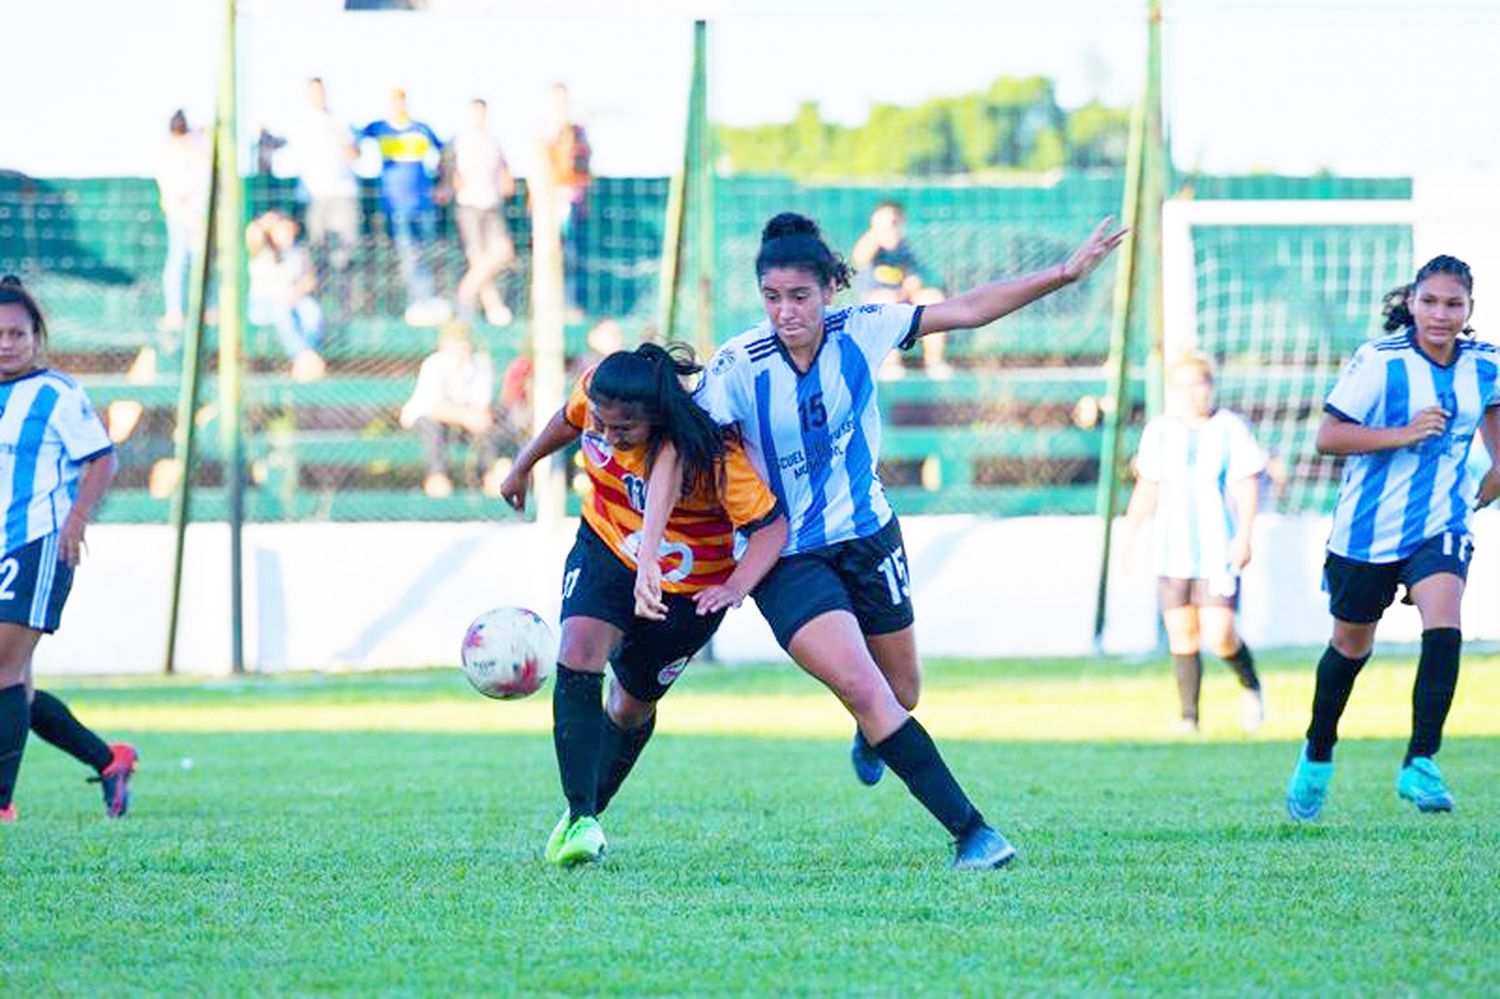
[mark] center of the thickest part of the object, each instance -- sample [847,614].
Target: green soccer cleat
[583,844]
[1308,788]
[556,837]
[1420,783]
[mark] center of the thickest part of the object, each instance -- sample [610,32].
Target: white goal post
[1456,213]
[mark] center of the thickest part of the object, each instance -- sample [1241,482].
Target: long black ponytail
[1393,306]
[651,377]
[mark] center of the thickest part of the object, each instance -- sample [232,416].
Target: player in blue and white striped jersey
[56,461]
[1405,411]
[800,390]
[1198,470]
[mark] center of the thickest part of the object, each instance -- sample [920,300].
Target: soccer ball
[508,652]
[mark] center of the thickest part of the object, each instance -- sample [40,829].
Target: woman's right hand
[648,601]
[513,489]
[1427,424]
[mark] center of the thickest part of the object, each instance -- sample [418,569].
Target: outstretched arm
[761,554]
[980,306]
[557,434]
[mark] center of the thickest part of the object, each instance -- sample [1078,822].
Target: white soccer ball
[508,652]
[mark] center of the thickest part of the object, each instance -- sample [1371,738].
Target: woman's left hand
[70,541]
[1100,244]
[717,598]
[1489,488]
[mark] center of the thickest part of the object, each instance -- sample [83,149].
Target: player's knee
[625,711]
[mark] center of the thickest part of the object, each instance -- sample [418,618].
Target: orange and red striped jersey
[697,549]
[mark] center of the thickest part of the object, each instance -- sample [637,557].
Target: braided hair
[1394,305]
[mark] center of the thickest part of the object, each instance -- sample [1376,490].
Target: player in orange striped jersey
[629,409]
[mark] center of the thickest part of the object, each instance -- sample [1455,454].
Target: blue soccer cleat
[1420,783]
[114,779]
[868,766]
[1308,788]
[982,848]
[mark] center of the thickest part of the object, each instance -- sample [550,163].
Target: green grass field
[360,834]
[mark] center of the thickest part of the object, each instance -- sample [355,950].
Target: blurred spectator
[182,178]
[568,154]
[324,152]
[886,272]
[454,400]
[407,147]
[281,286]
[481,181]
[604,338]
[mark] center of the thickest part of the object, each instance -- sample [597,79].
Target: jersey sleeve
[1245,455]
[1148,456]
[879,329]
[1357,394]
[82,432]
[576,409]
[721,394]
[745,496]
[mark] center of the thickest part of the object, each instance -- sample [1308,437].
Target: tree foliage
[1014,125]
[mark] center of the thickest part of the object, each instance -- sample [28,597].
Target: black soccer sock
[1189,670]
[910,753]
[15,722]
[576,713]
[1243,664]
[1432,695]
[51,719]
[618,750]
[1336,675]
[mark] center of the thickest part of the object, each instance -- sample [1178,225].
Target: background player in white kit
[1405,411]
[1198,470]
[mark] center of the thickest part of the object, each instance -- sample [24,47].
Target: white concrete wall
[369,596]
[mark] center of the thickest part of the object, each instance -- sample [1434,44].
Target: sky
[1360,87]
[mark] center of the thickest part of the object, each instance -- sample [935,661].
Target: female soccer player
[1199,468]
[800,388]
[56,462]
[627,409]
[1405,412]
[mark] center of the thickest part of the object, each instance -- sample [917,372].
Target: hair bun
[790,224]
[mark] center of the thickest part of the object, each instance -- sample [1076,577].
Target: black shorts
[1174,592]
[865,576]
[34,585]
[1359,592]
[651,654]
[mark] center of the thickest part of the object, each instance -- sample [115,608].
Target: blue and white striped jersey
[48,430]
[1391,501]
[815,438]
[1194,468]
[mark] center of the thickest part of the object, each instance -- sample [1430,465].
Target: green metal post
[1125,310]
[231,242]
[187,405]
[702,173]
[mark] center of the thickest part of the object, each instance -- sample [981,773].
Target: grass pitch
[383,834]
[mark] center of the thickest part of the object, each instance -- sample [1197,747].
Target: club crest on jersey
[724,360]
[671,672]
[596,448]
